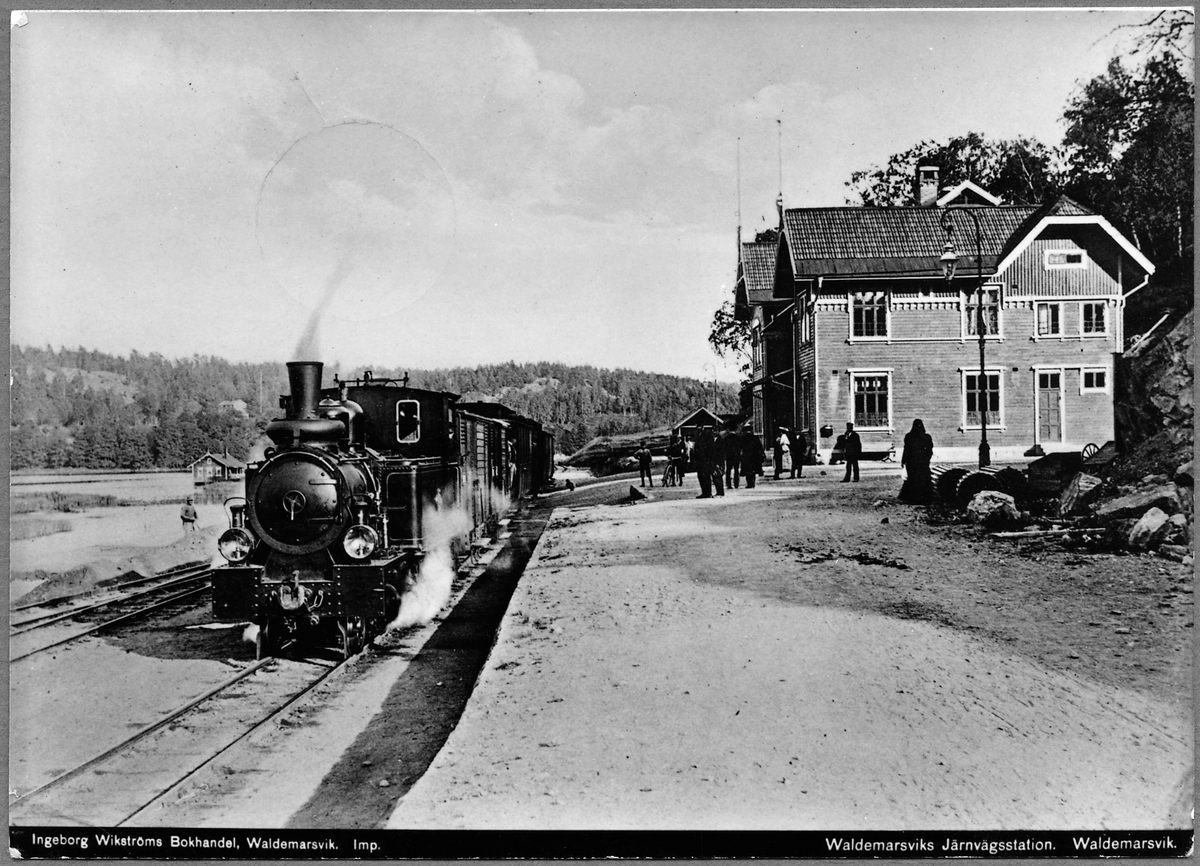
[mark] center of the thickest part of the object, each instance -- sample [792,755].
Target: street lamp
[949,261]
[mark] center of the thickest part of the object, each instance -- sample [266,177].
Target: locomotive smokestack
[305,380]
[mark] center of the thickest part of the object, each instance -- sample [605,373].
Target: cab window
[408,421]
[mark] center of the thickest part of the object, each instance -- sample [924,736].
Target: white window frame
[1067,251]
[996,421]
[1103,305]
[756,349]
[396,429]
[966,299]
[1106,388]
[887,317]
[1037,306]
[863,373]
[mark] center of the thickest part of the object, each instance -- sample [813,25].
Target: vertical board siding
[1028,276]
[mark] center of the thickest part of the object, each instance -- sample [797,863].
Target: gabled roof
[848,241]
[758,270]
[967,192]
[1065,211]
[702,417]
[224,459]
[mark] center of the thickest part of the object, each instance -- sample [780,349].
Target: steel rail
[36,622]
[109,623]
[169,573]
[144,732]
[328,672]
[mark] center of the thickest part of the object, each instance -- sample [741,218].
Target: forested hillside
[79,408]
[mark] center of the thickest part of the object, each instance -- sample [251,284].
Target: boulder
[1184,476]
[1150,530]
[1177,552]
[1080,493]
[1177,530]
[1164,497]
[993,510]
[1155,479]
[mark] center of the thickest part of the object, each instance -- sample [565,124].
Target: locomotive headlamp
[235,544]
[360,541]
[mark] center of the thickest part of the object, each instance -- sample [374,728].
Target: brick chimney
[926,185]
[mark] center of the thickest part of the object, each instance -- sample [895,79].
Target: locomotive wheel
[353,631]
[266,641]
[391,603]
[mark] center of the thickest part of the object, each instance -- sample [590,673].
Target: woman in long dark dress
[918,452]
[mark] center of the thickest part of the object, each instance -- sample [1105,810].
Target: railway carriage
[346,505]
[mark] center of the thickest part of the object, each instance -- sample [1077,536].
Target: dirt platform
[782,659]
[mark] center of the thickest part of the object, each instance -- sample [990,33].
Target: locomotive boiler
[349,501]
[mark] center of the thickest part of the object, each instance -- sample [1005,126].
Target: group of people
[722,459]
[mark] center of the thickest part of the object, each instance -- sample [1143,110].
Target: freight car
[357,490]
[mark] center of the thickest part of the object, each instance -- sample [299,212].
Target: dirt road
[801,657]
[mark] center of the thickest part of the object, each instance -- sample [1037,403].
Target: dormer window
[1065,259]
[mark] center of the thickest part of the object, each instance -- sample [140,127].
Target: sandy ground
[740,664]
[112,541]
[643,680]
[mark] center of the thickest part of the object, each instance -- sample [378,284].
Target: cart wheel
[1089,450]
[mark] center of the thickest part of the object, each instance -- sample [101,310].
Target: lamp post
[949,261]
[714,387]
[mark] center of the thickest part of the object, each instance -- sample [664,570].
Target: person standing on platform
[752,456]
[643,458]
[704,455]
[799,452]
[918,452]
[853,450]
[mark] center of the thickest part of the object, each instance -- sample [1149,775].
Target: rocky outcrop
[1155,387]
[1133,505]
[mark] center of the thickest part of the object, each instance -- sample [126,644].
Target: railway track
[55,627]
[131,776]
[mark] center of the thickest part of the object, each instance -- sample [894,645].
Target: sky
[414,190]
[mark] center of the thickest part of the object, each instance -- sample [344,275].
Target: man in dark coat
[752,455]
[704,455]
[799,452]
[853,446]
[729,441]
[644,459]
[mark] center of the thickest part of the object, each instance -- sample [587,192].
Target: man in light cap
[188,515]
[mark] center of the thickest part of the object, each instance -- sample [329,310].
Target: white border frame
[1000,423]
[890,429]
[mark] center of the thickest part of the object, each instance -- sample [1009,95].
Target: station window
[1095,318]
[1094,381]
[872,393]
[869,313]
[1065,259]
[1049,320]
[991,312]
[991,399]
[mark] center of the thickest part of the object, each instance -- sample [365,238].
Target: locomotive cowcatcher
[346,505]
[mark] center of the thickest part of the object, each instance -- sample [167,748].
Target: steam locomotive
[344,508]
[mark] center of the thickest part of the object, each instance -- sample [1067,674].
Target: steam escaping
[250,635]
[430,590]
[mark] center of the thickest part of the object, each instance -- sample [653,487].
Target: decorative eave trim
[1093,219]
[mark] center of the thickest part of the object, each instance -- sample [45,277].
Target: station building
[862,325]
